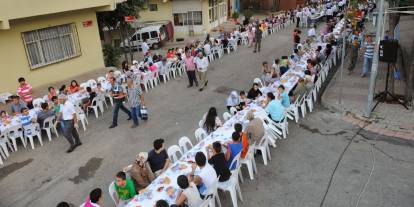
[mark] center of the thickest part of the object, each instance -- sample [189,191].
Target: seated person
[234,147]
[161,203]
[254,92]
[206,176]
[95,198]
[283,96]
[17,105]
[211,120]
[99,90]
[124,188]
[56,104]
[239,129]
[51,93]
[274,108]
[218,161]
[92,95]
[284,65]
[63,90]
[295,55]
[232,100]
[140,171]
[158,158]
[255,129]
[74,87]
[300,90]
[5,118]
[26,119]
[189,194]
[44,113]
[243,100]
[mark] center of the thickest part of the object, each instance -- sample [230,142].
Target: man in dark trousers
[118,94]
[257,38]
[67,114]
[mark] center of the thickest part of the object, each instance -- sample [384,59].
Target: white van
[155,35]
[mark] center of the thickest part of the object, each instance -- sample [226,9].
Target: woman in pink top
[52,92]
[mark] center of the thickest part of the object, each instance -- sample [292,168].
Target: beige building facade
[46,41]
[188,16]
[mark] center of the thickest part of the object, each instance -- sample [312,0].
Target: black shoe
[201,89]
[78,144]
[254,51]
[134,126]
[189,86]
[129,118]
[71,148]
[113,126]
[196,84]
[206,83]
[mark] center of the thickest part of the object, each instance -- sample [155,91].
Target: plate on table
[171,191]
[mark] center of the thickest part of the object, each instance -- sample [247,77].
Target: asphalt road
[324,161]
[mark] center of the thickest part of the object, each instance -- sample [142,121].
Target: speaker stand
[382,96]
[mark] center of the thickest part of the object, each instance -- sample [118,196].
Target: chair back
[84,85]
[112,192]
[233,110]
[200,134]
[15,131]
[258,81]
[101,79]
[37,102]
[184,143]
[92,83]
[235,161]
[226,116]
[201,123]
[45,98]
[48,122]
[172,153]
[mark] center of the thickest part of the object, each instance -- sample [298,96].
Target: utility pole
[374,68]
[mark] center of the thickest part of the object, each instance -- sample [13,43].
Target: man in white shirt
[202,66]
[67,114]
[207,48]
[205,177]
[298,16]
[144,47]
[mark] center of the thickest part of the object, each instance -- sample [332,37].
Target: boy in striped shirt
[25,92]
[368,55]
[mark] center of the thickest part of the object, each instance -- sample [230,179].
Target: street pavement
[325,161]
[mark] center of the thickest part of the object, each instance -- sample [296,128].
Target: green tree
[115,19]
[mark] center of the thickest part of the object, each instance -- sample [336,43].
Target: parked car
[156,35]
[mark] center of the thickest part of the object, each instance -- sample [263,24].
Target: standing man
[298,16]
[25,91]
[190,67]
[144,47]
[135,100]
[118,94]
[67,115]
[202,66]
[257,39]
[369,54]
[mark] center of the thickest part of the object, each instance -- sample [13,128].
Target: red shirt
[25,92]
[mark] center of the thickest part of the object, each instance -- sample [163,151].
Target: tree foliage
[112,19]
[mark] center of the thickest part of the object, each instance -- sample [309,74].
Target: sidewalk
[387,119]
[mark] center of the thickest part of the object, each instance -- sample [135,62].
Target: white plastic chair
[30,131]
[37,102]
[263,146]
[172,153]
[258,81]
[14,133]
[232,185]
[112,192]
[81,117]
[185,144]
[94,105]
[4,143]
[200,134]
[201,123]
[226,116]
[84,85]
[92,83]
[250,162]
[46,98]
[233,110]
[309,101]
[101,79]
[48,125]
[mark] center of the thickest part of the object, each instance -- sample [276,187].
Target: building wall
[164,12]
[14,62]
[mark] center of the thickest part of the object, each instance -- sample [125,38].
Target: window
[189,18]
[135,37]
[145,36]
[154,34]
[50,45]
[153,7]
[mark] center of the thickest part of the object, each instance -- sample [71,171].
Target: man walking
[298,17]
[202,66]
[135,100]
[190,67]
[257,39]
[118,94]
[369,54]
[67,114]
[144,47]
[353,53]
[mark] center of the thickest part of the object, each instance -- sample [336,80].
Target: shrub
[111,55]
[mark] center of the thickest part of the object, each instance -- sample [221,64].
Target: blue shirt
[285,99]
[235,149]
[25,120]
[276,110]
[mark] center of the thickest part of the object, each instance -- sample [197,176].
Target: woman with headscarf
[232,100]
[211,120]
[140,171]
